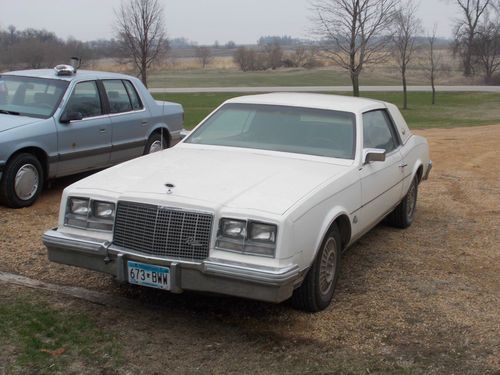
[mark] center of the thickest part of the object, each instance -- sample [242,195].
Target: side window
[134,97]
[117,96]
[85,99]
[378,131]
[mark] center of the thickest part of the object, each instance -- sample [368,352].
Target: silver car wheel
[328,266]
[155,147]
[411,200]
[26,182]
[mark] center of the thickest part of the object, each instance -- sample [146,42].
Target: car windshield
[30,96]
[280,128]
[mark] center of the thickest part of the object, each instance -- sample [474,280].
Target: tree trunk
[433,89]
[355,84]
[468,58]
[405,92]
[144,74]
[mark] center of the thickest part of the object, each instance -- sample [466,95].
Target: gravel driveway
[425,299]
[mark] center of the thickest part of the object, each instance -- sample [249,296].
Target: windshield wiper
[4,111]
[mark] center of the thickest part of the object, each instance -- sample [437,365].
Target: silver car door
[84,131]
[130,120]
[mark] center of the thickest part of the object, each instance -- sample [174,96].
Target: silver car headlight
[85,213]
[247,237]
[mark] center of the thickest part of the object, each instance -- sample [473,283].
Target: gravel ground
[423,300]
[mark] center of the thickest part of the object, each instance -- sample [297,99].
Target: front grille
[162,231]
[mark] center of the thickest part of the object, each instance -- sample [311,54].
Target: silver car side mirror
[184,133]
[373,154]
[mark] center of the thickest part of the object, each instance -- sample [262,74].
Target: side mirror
[66,118]
[184,133]
[373,154]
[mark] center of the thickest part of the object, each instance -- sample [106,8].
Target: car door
[129,120]
[381,181]
[84,143]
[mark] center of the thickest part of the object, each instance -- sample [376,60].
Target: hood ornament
[169,187]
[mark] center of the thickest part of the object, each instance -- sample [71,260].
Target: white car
[259,201]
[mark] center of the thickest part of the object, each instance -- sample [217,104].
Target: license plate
[148,275]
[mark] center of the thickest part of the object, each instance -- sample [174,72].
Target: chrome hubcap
[411,201]
[328,266]
[26,182]
[155,147]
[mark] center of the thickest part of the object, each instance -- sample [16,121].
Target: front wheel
[316,291]
[155,143]
[22,181]
[404,214]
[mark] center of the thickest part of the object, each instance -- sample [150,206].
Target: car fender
[332,215]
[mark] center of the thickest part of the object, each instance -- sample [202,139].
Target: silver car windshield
[30,96]
[280,128]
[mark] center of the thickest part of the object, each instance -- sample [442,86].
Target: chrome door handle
[403,165]
[102,131]
[144,122]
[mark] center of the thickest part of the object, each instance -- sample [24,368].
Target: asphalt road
[323,89]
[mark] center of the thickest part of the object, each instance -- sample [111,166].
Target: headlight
[247,237]
[262,232]
[79,206]
[103,210]
[234,228]
[88,214]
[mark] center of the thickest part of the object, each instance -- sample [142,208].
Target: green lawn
[451,110]
[38,338]
[281,77]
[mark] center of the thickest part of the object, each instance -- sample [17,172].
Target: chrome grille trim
[162,231]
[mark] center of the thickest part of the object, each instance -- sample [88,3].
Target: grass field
[39,338]
[281,77]
[451,110]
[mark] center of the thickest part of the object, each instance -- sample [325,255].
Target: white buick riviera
[259,201]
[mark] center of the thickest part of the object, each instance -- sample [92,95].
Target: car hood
[8,122]
[214,178]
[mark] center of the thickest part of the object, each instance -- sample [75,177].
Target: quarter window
[118,98]
[134,97]
[85,99]
[378,131]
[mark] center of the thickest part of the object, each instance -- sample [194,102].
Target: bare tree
[354,32]
[274,55]
[434,62]
[486,45]
[204,55]
[141,28]
[466,28]
[406,28]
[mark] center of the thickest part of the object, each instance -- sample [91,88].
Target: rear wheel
[404,214]
[22,181]
[155,143]
[316,291]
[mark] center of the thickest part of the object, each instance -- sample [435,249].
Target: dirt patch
[425,300]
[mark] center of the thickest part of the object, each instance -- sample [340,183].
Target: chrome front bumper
[211,275]
[428,171]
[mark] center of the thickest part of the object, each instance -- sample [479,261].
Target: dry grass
[420,301]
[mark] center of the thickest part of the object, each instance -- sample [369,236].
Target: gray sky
[203,21]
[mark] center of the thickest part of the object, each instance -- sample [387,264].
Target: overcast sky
[202,21]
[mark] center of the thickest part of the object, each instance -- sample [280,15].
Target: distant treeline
[33,49]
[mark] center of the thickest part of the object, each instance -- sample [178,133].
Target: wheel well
[39,154]
[344,225]
[166,134]
[420,172]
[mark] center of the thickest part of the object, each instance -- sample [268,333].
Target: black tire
[26,170]
[316,291]
[404,214]
[155,139]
